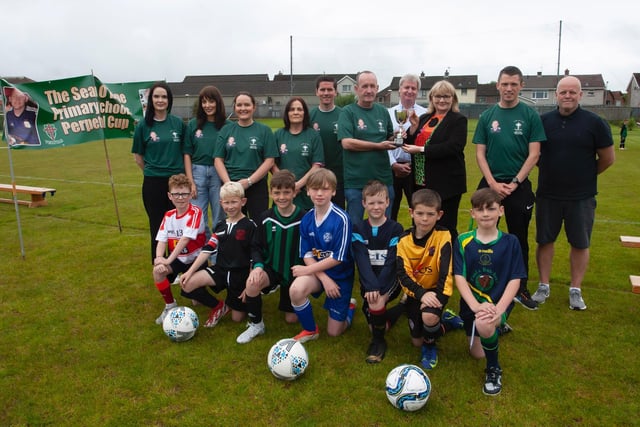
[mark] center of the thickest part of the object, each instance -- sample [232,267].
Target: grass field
[80,346]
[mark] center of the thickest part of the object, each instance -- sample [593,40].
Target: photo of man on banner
[21,113]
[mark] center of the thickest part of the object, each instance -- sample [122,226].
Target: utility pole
[559,45]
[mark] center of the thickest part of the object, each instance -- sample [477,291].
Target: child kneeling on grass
[424,268]
[182,231]
[231,240]
[487,269]
[325,247]
[374,244]
[274,250]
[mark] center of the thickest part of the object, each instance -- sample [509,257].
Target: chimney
[566,72]
[539,74]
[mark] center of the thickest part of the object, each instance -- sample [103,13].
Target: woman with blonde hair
[436,141]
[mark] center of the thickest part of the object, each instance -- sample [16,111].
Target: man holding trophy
[400,160]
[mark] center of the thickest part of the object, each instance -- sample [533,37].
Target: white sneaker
[575,300]
[541,294]
[164,313]
[253,330]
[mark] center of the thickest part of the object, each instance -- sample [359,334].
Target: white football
[180,324]
[287,359]
[408,387]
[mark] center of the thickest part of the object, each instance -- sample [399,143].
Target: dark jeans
[401,185]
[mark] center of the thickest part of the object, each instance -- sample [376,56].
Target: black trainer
[524,298]
[376,351]
[504,329]
[493,381]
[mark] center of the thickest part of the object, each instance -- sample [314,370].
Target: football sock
[394,313]
[431,333]
[378,323]
[305,315]
[350,312]
[165,290]
[202,295]
[254,308]
[490,347]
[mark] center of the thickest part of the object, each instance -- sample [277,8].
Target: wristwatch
[515,180]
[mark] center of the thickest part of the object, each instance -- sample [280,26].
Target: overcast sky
[136,40]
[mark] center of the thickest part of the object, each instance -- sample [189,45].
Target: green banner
[70,111]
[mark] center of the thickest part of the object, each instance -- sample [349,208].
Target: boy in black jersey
[231,240]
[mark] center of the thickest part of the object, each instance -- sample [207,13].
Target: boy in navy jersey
[487,268]
[374,244]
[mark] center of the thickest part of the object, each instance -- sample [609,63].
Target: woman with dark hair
[300,147]
[245,153]
[199,141]
[436,142]
[158,151]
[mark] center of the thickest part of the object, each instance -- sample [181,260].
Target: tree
[342,100]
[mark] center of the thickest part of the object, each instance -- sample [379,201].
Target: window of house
[346,88]
[540,94]
[590,93]
[463,91]
[423,93]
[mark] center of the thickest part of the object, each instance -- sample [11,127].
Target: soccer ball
[180,324]
[408,387]
[287,359]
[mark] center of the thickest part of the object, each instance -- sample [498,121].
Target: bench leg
[37,200]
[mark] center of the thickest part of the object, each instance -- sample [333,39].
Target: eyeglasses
[442,97]
[180,195]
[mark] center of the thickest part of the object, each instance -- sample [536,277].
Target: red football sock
[165,289]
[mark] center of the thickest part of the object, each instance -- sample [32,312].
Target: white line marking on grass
[70,181]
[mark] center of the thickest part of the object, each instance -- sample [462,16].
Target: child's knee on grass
[335,327]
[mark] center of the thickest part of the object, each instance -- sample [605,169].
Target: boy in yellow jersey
[424,268]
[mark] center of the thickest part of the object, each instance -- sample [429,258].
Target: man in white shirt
[401,161]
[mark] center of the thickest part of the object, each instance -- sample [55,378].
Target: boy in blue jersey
[487,268]
[325,243]
[374,244]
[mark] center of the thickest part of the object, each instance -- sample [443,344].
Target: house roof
[427,82]
[487,89]
[310,77]
[256,84]
[539,81]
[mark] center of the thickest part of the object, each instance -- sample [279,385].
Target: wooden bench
[37,194]
[632,242]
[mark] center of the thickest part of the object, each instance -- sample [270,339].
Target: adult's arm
[606,156]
